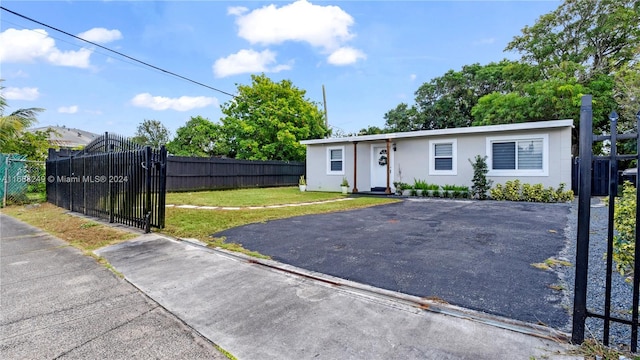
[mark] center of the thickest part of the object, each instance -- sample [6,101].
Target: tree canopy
[583,47]
[198,137]
[151,133]
[266,121]
[602,35]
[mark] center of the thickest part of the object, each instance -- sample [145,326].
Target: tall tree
[602,35]
[403,118]
[152,133]
[447,101]
[198,137]
[266,121]
[13,124]
[548,99]
[627,95]
[371,130]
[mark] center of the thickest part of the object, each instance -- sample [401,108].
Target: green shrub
[624,220]
[420,184]
[497,193]
[462,191]
[512,190]
[539,194]
[401,186]
[564,196]
[480,183]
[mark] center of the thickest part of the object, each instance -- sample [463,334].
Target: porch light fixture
[394,144]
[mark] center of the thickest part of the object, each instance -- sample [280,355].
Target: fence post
[163,186]
[111,193]
[7,160]
[613,189]
[147,173]
[636,265]
[584,214]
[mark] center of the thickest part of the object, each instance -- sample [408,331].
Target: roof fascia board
[452,131]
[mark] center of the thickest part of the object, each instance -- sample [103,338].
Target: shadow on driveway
[472,254]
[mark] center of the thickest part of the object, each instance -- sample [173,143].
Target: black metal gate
[580,310]
[112,178]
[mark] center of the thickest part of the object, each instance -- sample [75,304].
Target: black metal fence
[580,310]
[192,173]
[599,176]
[114,179]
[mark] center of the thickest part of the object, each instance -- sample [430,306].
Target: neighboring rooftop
[67,138]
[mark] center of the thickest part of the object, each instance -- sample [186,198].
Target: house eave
[453,131]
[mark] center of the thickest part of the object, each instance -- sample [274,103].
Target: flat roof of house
[452,131]
[67,137]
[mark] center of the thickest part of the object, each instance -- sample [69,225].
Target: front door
[379,166]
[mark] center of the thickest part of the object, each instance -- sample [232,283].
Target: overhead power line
[118,53]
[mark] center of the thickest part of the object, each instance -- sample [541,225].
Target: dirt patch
[80,232]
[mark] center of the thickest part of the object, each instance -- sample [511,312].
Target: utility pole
[326,117]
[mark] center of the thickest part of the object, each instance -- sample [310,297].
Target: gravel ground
[621,297]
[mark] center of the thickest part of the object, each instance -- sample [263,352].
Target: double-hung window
[335,160]
[518,155]
[443,159]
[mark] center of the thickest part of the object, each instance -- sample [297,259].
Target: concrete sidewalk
[266,310]
[56,303]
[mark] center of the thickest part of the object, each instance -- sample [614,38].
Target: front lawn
[249,197]
[193,223]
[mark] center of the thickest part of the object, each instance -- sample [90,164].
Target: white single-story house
[533,152]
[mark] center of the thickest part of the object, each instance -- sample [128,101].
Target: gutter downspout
[355,167]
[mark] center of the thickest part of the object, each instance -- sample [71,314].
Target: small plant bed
[424,189]
[516,191]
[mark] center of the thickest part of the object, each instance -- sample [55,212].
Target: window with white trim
[443,158]
[335,160]
[518,155]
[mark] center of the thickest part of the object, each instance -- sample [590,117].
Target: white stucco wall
[412,157]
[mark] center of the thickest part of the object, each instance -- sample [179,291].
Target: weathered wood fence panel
[193,173]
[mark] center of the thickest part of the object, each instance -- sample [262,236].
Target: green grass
[200,224]
[249,197]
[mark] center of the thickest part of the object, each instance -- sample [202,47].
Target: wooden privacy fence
[193,173]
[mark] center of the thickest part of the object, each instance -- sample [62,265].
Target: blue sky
[369,55]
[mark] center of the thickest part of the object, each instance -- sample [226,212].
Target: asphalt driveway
[472,254]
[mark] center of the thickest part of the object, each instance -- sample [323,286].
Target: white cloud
[78,58]
[236,10]
[324,27]
[412,77]
[25,93]
[68,109]
[31,45]
[101,35]
[247,61]
[345,56]
[183,103]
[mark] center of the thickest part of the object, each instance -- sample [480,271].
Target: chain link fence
[22,181]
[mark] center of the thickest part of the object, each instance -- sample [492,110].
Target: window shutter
[504,156]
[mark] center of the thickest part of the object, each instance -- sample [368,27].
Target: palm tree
[11,125]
